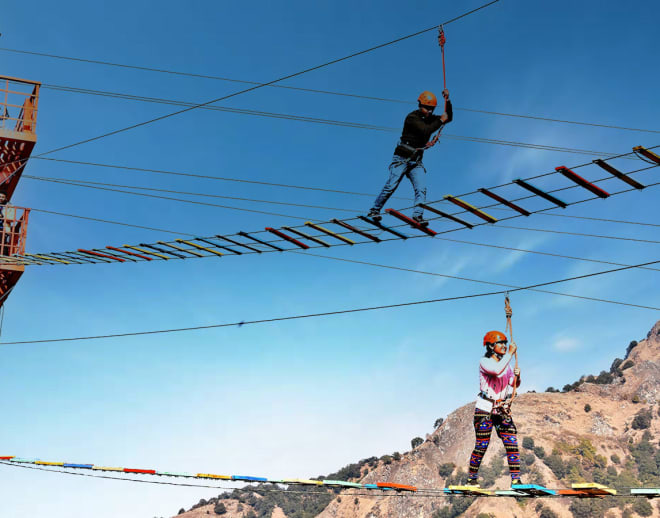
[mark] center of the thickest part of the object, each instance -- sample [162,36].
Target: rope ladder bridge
[357,230]
[578,490]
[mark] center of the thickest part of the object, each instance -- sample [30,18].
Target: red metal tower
[18,120]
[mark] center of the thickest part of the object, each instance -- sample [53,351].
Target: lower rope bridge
[580,490]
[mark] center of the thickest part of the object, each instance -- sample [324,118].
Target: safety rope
[441,41]
[509,329]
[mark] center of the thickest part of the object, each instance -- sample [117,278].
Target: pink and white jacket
[494,378]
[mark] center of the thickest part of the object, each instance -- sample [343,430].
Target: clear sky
[303,398]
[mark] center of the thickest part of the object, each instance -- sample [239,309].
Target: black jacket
[417,131]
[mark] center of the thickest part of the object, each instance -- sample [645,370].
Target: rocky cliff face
[590,433]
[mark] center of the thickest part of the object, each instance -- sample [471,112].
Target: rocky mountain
[603,428]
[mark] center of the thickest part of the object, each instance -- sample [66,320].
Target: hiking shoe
[472,482]
[375,215]
[420,221]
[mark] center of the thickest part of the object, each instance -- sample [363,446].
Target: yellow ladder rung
[329,232]
[47,258]
[468,206]
[200,247]
[146,252]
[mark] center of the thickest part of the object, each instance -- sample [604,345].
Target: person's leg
[397,170]
[506,430]
[417,175]
[483,425]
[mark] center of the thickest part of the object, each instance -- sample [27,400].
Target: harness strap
[483,395]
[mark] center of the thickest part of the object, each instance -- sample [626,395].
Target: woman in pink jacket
[496,375]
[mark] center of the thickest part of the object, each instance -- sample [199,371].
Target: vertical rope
[509,329]
[441,41]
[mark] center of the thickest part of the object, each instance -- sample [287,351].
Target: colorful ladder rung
[594,489]
[650,492]
[45,463]
[446,215]
[248,479]
[379,225]
[98,254]
[238,243]
[47,258]
[356,230]
[163,251]
[504,201]
[80,256]
[75,258]
[140,471]
[467,490]
[329,232]
[370,486]
[341,483]
[618,174]
[191,252]
[307,236]
[115,254]
[107,468]
[8,457]
[129,253]
[470,208]
[147,252]
[582,182]
[411,222]
[287,238]
[77,466]
[200,247]
[533,490]
[541,193]
[647,153]
[397,487]
[257,240]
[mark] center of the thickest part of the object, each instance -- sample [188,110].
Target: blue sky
[304,398]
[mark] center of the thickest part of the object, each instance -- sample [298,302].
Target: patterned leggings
[506,430]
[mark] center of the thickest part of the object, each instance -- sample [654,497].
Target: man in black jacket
[407,159]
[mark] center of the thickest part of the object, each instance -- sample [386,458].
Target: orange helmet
[492,337]
[427,98]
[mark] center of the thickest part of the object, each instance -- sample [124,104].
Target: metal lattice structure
[19,101]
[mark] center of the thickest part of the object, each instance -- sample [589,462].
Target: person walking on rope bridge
[407,160]
[493,408]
